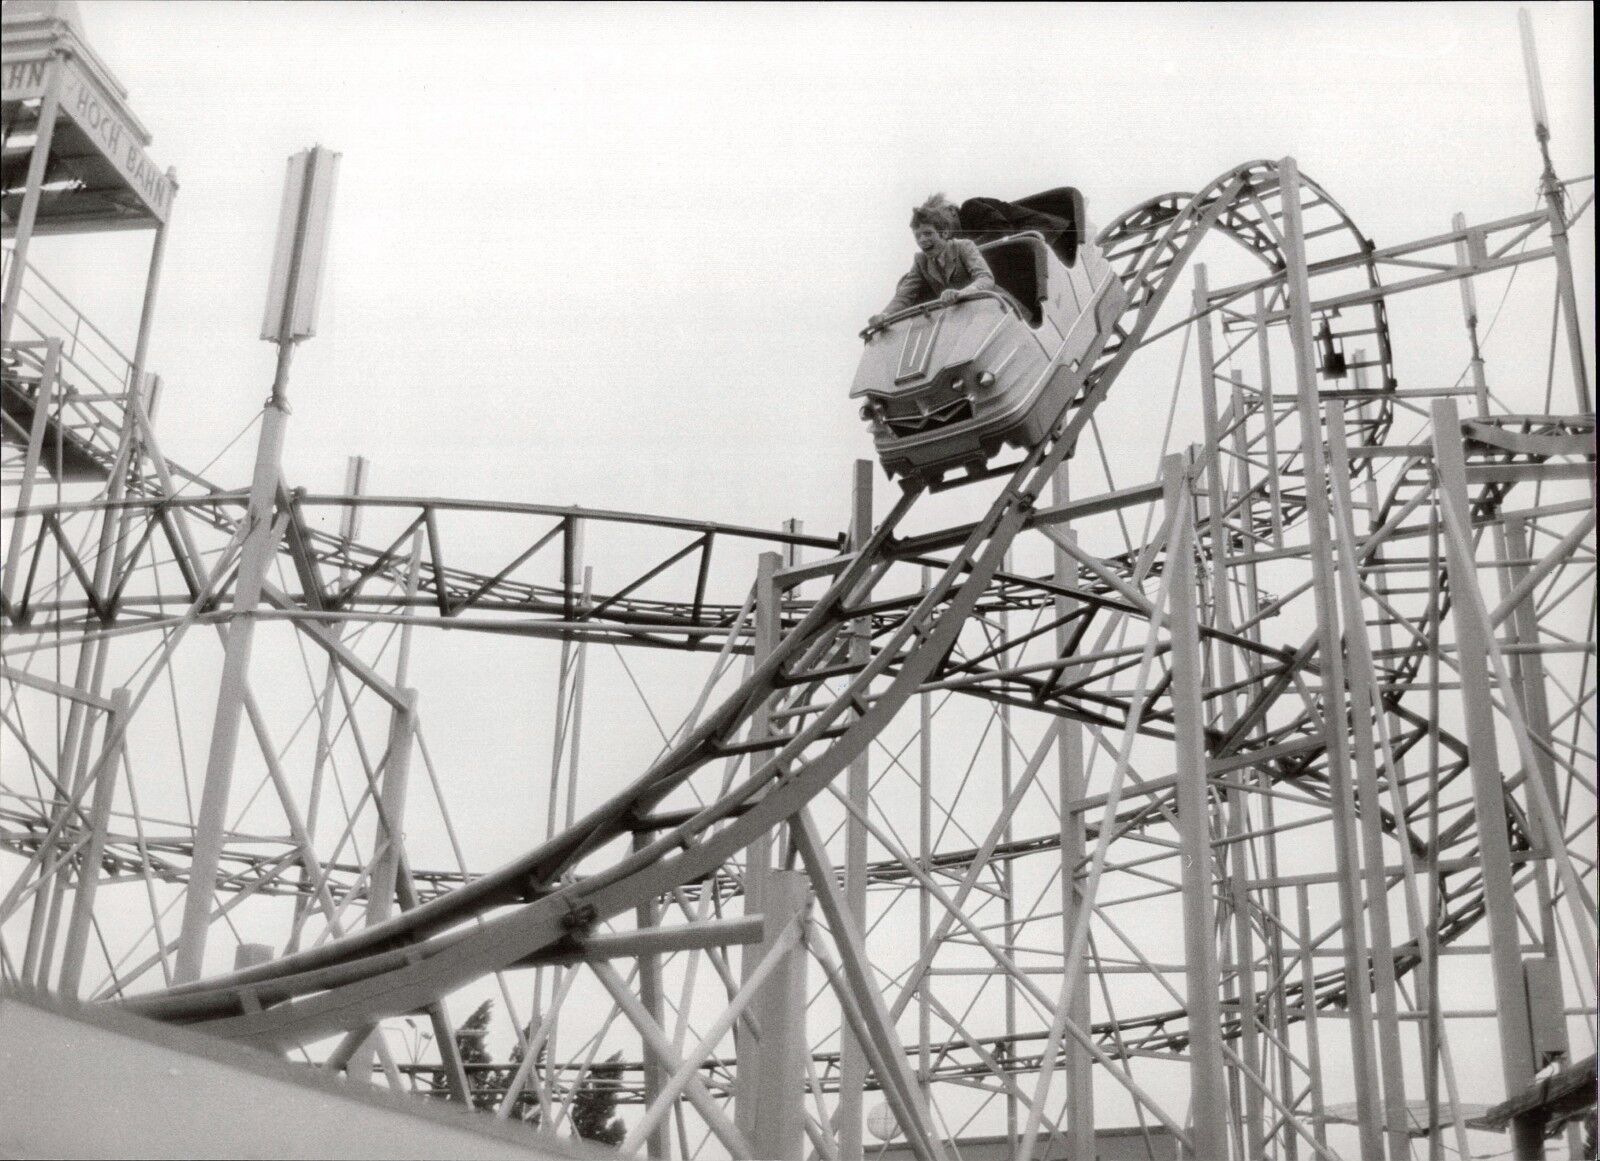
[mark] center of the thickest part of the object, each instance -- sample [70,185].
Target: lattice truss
[1204,781]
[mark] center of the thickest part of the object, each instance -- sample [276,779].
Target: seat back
[1021,269]
[1065,204]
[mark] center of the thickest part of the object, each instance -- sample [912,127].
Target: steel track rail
[357,984]
[329,998]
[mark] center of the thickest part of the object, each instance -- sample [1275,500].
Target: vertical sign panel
[294,290]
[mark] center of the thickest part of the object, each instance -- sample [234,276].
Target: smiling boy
[943,266]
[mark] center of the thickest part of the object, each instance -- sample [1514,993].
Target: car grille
[940,409]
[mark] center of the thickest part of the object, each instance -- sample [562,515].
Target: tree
[526,1108]
[488,1085]
[470,1037]
[594,1108]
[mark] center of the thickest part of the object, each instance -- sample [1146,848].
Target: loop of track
[407,962]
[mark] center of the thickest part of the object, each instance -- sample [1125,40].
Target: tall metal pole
[658,1145]
[43,400]
[1553,197]
[349,528]
[1308,1004]
[1488,784]
[758,858]
[389,804]
[1269,410]
[1469,312]
[291,304]
[776,1126]
[1208,1099]
[1072,788]
[256,555]
[1527,671]
[1333,716]
[77,941]
[1277,1016]
[1008,877]
[852,1056]
[925,859]
[1219,504]
[44,134]
[152,284]
[1361,677]
[91,666]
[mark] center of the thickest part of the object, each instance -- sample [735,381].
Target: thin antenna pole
[1554,200]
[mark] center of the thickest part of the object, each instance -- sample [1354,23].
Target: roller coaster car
[944,385]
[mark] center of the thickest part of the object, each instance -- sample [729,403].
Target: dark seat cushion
[1057,215]
[1021,270]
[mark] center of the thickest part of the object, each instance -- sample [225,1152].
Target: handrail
[888,320]
[70,356]
[921,307]
[33,270]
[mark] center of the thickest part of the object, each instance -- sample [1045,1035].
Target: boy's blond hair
[938,213]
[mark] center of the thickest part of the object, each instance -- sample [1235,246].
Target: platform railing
[94,374]
[50,314]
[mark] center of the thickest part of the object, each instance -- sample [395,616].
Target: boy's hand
[949,295]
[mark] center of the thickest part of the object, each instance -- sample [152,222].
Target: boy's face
[928,239]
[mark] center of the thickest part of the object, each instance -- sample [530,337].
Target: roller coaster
[1251,760]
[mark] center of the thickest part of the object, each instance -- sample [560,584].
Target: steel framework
[1239,795]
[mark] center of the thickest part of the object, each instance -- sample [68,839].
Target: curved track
[830,676]
[400,965]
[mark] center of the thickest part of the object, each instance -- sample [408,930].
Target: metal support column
[43,399]
[1072,788]
[852,1057]
[1488,784]
[389,804]
[775,1126]
[211,822]
[290,317]
[647,915]
[1007,871]
[1553,196]
[758,859]
[147,310]
[1333,716]
[1527,671]
[1361,678]
[1207,1079]
[925,862]
[77,941]
[89,671]
[1275,1023]
[1219,502]
[44,134]
[1469,311]
[349,528]
[1308,1006]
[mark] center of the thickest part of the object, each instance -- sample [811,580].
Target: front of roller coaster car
[943,386]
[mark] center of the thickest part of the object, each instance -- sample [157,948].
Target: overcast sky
[618,255]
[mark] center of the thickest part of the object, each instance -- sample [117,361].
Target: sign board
[117,141]
[24,80]
[295,287]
